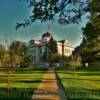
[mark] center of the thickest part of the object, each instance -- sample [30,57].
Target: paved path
[48,89]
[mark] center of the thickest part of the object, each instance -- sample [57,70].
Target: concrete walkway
[48,89]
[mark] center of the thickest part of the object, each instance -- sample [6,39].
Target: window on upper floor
[67,51]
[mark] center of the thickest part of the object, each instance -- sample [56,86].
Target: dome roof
[47,34]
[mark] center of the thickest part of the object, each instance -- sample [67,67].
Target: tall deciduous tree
[18,48]
[64,11]
[91,35]
[18,51]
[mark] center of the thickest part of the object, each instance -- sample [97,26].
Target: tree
[91,36]
[75,58]
[11,58]
[20,58]
[6,67]
[18,48]
[50,49]
[52,46]
[64,11]
[91,47]
[2,52]
[18,51]
[5,63]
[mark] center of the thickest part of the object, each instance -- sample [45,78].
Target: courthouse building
[36,48]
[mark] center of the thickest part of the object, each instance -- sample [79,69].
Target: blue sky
[13,11]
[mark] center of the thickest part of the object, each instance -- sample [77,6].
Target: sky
[13,11]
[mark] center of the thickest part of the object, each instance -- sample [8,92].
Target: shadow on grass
[32,69]
[23,81]
[37,81]
[90,73]
[80,79]
[16,94]
[82,69]
[82,94]
[29,81]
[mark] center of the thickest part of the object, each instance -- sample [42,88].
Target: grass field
[81,85]
[23,82]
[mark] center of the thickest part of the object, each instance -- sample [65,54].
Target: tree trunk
[8,79]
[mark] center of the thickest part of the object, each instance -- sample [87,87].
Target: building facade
[64,48]
[37,48]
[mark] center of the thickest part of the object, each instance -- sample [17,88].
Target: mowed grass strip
[23,82]
[82,85]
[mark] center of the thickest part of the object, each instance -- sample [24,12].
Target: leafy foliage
[75,59]
[64,11]
[18,48]
[91,36]
[50,49]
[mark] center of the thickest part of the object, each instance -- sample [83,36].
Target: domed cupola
[47,36]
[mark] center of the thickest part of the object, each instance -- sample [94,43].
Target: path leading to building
[48,89]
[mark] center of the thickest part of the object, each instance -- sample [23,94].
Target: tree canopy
[63,11]
[90,46]
[89,49]
[50,49]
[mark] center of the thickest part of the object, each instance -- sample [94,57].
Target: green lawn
[83,85]
[23,82]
